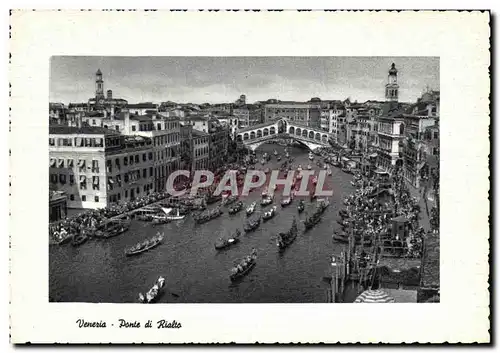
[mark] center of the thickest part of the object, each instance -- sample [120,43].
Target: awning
[81,163]
[52,162]
[83,178]
[374,296]
[61,163]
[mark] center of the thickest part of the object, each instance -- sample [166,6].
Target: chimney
[126,120]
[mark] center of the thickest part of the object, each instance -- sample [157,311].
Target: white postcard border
[460,39]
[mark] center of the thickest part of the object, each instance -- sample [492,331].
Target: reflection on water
[98,271]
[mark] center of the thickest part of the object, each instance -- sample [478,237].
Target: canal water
[98,271]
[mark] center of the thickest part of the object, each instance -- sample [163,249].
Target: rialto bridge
[254,136]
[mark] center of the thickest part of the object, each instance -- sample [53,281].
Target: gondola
[269,214]
[230,200]
[64,239]
[301,206]
[154,293]
[112,229]
[211,199]
[244,267]
[285,239]
[208,215]
[145,245]
[225,243]
[251,209]
[252,225]
[310,222]
[79,239]
[266,201]
[286,202]
[236,208]
[159,220]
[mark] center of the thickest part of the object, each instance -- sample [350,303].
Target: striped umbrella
[374,296]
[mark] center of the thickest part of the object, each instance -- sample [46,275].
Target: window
[125,177]
[53,178]
[436,135]
[435,151]
[144,173]
[133,127]
[131,160]
[117,128]
[126,193]
[62,178]
[95,166]
[93,122]
[96,198]
[84,198]
[119,196]
[72,197]
[71,179]
[95,183]
[125,161]
[117,162]
[144,157]
[158,126]
[52,142]
[136,158]
[150,171]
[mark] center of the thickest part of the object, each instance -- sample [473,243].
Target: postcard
[218,177]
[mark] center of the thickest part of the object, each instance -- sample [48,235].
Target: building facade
[96,167]
[390,138]
[195,147]
[218,144]
[299,113]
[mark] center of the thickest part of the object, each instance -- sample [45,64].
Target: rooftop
[88,130]
[146,105]
[198,133]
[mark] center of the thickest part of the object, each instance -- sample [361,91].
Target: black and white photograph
[217,177]
[155,195]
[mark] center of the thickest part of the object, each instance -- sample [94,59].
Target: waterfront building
[165,136]
[194,148]
[58,205]
[218,143]
[390,137]
[96,167]
[242,113]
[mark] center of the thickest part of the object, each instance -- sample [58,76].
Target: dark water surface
[98,271]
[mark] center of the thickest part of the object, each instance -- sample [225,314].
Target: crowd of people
[372,218]
[91,219]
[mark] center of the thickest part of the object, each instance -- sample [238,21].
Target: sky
[224,79]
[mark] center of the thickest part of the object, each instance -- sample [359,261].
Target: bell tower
[99,85]
[392,87]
